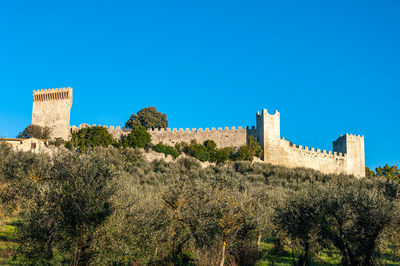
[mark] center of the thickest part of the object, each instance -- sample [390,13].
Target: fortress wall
[292,156]
[115,131]
[234,137]
[223,137]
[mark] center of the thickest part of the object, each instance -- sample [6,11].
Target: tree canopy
[138,138]
[90,137]
[149,118]
[35,131]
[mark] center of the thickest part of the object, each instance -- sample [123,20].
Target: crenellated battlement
[264,112]
[316,151]
[186,130]
[82,126]
[178,130]
[52,94]
[351,136]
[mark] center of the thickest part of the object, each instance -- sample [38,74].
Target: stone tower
[52,108]
[353,146]
[269,134]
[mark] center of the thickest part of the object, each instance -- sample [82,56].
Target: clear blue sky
[329,67]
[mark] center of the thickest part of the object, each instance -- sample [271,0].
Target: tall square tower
[51,108]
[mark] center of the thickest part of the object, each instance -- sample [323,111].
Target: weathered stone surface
[51,108]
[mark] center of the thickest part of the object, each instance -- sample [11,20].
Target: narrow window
[33,146]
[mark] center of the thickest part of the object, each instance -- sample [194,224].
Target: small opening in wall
[33,146]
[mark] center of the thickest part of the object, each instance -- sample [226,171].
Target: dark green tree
[389,172]
[254,147]
[138,138]
[166,149]
[149,118]
[197,151]
[35,131]
[90,137]
[369,173]
[243,154]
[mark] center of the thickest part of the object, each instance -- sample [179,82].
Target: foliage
[138,138]
[197,151]
[90,137]
[389,172]
[350,215]
[149,118]
[243,154]
[35,131]
[369,173]
[166,149]
[70,201]
[254,147]
[111,206]
[58,142]
[249,151]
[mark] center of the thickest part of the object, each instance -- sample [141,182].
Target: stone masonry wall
[51,108]
[291,155]
[234,137]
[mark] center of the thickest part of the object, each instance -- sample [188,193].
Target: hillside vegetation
[110,206]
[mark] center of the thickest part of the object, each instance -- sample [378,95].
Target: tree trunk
[223,254]
[304,260]
[259,240]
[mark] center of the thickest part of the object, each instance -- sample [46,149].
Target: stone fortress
[52,108]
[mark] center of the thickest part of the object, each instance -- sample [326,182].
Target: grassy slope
[8,246]
[331,257]
[7,242]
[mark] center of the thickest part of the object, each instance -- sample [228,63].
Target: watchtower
[353,147]
[268,135]
[51,108]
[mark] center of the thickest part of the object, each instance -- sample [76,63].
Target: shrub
[254,147]
[243,154]
[138,138]
[90,137]
[166,149]
[220,156]
[58,142]
[197,151]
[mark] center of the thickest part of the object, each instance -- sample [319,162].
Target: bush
[167,150]
[138,138]
[90,137]
[35,131]
[58,142]
[197,151]
[207,151]
[243,154]
[254,147]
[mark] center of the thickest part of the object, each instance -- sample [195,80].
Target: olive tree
[35,131]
